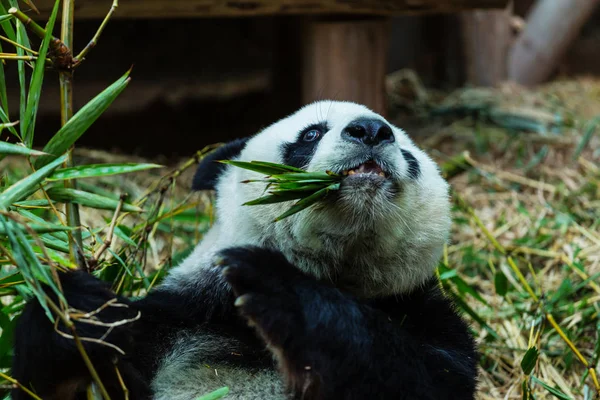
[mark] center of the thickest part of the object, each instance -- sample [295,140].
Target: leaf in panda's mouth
[286,183]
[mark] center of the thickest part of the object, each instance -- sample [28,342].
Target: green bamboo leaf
[55,244]
[297,188]
[295,176]
[217,394]
[472,313]
[3,93]
[261,167]
[4,117]
[501,283]
[23,188]
[41,228]
[591,127]
[40,203]
[529,360]
[97,170]
[308,201]
[18,253]
[86,199]
[555,392]
[5,17]
[21,38]
[5,23]
[282,167]
[275,198]
[82,120]
[123,236]
[15,149]
[37,78]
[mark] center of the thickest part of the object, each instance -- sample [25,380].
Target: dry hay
[542,207]
[534,203]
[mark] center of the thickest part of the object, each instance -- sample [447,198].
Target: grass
[524,260]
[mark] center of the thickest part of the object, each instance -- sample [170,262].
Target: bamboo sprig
[17,384]
[81,56]
[12,56]
[28,22]
[7,40]
[66,112]
[286,183]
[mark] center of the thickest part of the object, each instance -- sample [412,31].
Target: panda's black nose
[371,132]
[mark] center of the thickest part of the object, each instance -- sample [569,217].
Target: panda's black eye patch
[299,153]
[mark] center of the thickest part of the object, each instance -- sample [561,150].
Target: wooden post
[346,60]
[551,27]
[486,39]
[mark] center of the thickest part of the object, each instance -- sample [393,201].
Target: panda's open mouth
[367,168]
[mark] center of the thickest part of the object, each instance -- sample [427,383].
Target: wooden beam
[551,27]
[486,38]
[246,8]
[346,60]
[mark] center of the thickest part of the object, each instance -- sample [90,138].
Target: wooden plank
[245,8]
[486,38]
[346,60]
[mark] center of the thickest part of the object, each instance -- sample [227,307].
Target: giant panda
[338,301]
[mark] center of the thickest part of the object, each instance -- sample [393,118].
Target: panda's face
[383,230]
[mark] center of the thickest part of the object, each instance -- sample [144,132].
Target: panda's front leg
[331,346]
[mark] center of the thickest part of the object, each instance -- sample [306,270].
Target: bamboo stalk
[66,112]
[28,22]
[81,56]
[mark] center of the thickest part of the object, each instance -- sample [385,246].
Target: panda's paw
[269,292]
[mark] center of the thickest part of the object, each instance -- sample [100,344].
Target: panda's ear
[209,169]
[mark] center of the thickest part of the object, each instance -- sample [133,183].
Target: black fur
[52,367]
[299,153]
[414,170]
[332,346]
[209,169]
[329,345]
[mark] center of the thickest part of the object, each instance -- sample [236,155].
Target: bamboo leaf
[308,201]
[41,228]
[15,149]
[5,23]
[217,394]
[82,120]
[23,188]
[467,309]
[97,170]
[64,195]
[18,253]
[5,17]
[21,38]
[262,167]
[591,127]
[3,94]
[294,176]
[275,198]
[555,392]
[529,360]
[501,283]
[37,78]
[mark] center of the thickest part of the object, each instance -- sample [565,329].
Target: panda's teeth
[351,172]
[381,174]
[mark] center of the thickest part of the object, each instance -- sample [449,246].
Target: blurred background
[206,71]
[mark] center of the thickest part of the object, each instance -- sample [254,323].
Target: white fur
[364,241]
[386,247]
